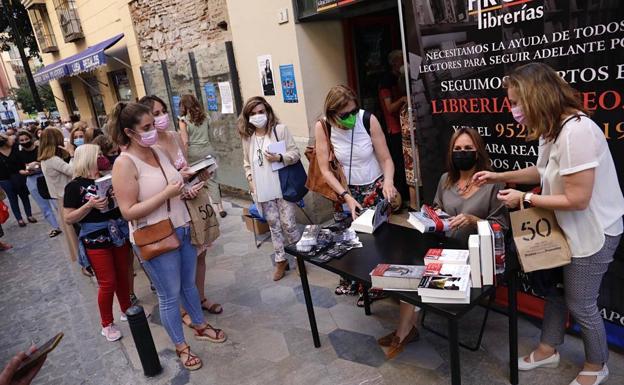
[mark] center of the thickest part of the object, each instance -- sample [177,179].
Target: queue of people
[150,171]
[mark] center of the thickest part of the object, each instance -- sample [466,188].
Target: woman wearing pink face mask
[149,189]
[580,184]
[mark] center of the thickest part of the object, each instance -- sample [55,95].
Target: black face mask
[464,160]
[26,144]
[112,158]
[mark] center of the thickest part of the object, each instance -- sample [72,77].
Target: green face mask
[349,122]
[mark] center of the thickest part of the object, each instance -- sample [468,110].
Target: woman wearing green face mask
[363,153]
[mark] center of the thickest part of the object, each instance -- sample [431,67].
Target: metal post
[17,34]
[163,66]
[143,340]
[410,112]
[193,64]
[238,99]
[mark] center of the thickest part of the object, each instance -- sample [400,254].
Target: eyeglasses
[260,157]
[347,114]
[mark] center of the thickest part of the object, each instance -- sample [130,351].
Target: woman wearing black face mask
[467,203]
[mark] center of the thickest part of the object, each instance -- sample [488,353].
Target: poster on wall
[176,105]
[227,103]
[467,48]
[289,86]
[265,70]
[211,97]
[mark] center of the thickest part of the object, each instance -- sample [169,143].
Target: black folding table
[400,245]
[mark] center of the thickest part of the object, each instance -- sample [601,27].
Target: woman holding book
[194,133]
[104,235]
[259,128]
[467,203]
[171,142]
[149,191]
[580,184]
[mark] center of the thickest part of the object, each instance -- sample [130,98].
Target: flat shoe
[32,220]
[54,233]
[550,362]
[397,346]
[601,376]
[21,223]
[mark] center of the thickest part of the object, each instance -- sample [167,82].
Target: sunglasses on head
[347,114]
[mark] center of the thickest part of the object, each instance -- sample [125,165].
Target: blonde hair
[85,160]
[80,125]
[337,98]
[545,99]
[49,142]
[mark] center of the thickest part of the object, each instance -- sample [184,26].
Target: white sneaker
[550,362]
[601,376]
[111,332]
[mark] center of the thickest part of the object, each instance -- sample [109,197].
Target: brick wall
[167,29]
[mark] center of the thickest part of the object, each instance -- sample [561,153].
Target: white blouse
[581,145]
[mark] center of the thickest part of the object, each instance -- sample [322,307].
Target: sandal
[5,246]
[192,362]
[373,295]
[186,319]
[54,233]
[21,223]
[87,271]
[32,219]
[345,287]
[215,308]
[201,335]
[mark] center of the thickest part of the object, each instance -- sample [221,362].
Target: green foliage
[24,98]
[22,22]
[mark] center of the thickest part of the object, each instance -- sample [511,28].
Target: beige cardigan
[290,157]
[57,174]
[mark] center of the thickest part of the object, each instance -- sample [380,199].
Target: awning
[85,61]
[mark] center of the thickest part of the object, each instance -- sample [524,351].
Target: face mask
[26,144]
[68,126]
[518,114]
[161,122]
[111,159]
[149,138]
[464,160]
[348,122]
[78,142]
[258,120]
[103,163]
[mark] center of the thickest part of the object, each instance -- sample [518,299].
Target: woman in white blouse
[579,183]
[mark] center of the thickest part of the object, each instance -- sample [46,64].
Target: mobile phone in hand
[35,357]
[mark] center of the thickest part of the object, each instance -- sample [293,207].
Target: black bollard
[143,340]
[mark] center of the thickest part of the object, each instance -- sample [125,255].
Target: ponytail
[125,115]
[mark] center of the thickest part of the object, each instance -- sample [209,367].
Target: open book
[370,220]
[207,163]
[429,220]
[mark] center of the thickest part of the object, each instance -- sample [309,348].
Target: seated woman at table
[363,154]
[467,203]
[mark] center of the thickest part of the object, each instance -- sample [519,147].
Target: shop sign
[326,5]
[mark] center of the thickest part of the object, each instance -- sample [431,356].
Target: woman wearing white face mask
[148,189]
[258,127]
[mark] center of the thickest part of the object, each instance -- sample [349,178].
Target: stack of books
[451,256]
[429,220]
[445,283]
[370,220]
[397,277]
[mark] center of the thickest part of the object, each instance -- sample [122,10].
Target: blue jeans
[173,276]
[46,205]
[14,188]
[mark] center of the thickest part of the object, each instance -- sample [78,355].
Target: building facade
[90,54]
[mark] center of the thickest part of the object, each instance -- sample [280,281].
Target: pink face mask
[518,114]
[149,138]
[161,122]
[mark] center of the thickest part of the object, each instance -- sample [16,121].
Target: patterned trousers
[581,284]
[280,215]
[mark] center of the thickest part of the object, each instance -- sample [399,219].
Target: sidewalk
[269,342]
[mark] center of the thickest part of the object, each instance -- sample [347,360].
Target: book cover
[428,220]
[452,256]
[445,281]
[397,277]
[208,162]
[475,260]
[104,189]
[370,220]
[486,250]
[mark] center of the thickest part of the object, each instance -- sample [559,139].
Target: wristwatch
[281,159]
[527,198]
[344,193]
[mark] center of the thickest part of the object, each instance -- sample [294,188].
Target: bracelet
[281,159]
[344,193]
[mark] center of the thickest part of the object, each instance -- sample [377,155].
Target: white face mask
[68,126]
[258,120]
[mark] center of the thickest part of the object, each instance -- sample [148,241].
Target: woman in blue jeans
[11,181]
[31,169]
[149,190]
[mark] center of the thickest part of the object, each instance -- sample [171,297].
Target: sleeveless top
[151,182]
[363,164]
[198,139]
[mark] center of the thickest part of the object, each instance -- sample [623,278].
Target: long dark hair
[483,159]
[246,129]
[125,115]
[149,101]
[189,105]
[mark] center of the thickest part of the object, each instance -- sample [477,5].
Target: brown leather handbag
[158,238]
[316,181]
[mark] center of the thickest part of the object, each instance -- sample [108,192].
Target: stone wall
[167,29]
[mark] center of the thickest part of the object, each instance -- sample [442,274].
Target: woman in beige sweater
[57,174]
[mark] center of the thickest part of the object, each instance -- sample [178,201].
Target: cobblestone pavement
[42,293]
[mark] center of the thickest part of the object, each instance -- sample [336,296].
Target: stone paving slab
[42,292]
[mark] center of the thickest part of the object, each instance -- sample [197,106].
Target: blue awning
[85,61]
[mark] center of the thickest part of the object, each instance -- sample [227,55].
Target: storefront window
[68,19]
[96,99]
[70,101]
[42,28]
[121,83]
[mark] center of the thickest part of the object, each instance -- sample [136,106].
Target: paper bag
[540,241]
[204,223]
